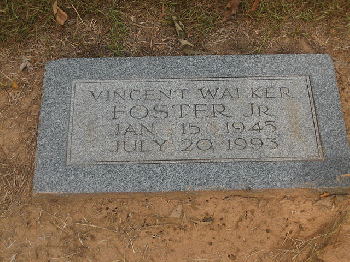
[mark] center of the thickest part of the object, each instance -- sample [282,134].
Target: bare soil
[245,225]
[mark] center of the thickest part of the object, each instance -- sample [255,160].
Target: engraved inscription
[179,120]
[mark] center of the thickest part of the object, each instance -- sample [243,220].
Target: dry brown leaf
[161,16]
[54,7]
[255,5]
[15,85]
[185,43]
[186,46]
[179,28]
[231,8]
[189,50]
[60,15]
[25,64]
[325,194]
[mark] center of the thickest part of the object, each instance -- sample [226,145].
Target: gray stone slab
[190,123]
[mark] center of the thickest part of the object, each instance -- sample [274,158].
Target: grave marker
[179,123]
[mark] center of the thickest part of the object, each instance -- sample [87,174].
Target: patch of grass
[198,18]
[314,244]
[117,32]
[348,21]
[319,10]
[265,39]
[21,19]
[273,10]
[307,10]
[198,22]
[274,13]
[308,16]
[329,232]
[110,15]
[86,8]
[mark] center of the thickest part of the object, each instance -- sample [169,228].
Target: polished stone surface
[189,123]
[186,120]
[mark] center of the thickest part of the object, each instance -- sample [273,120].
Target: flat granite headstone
[190,123]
